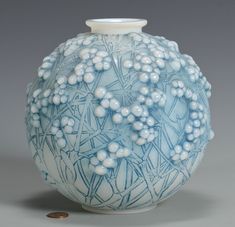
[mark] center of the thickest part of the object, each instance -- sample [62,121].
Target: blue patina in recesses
[118,121]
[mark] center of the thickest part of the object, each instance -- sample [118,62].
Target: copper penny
[58,215]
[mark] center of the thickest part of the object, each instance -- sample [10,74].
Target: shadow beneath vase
[185,205]
[51,201]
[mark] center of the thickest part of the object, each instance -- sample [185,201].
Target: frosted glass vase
[118,119]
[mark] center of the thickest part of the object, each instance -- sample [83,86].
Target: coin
[58,215]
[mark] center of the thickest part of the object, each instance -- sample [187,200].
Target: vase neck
[116,25]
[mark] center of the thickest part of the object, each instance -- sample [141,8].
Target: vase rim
[116,25]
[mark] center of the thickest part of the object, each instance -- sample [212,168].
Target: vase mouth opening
[116,25]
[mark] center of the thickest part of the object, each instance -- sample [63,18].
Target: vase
[117,119]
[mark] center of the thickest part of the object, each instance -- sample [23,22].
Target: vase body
[118,121]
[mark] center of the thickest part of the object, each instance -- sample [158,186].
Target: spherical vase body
[118,121]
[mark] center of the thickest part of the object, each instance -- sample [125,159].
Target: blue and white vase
[118,119]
